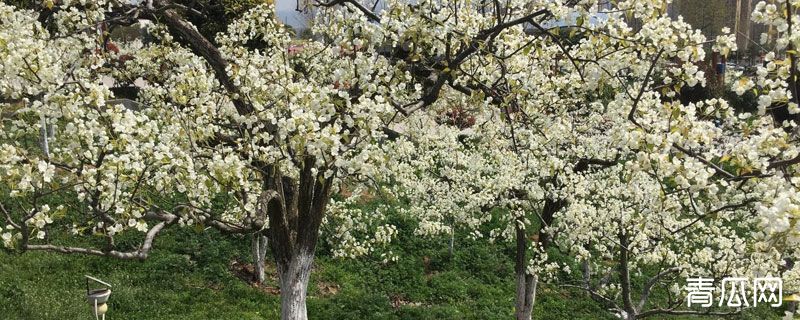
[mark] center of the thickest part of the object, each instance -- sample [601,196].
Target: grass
[189,276]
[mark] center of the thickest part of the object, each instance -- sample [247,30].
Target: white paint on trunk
[45,137]
[259,246]
[294,286]
[525,296]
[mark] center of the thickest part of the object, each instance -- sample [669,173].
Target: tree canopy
[557,122]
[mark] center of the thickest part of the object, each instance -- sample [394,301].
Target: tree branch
[367,12]
[141,253]
[651,283]
[593,294]
[717,168]
[8,217]
[204,48]
[784,163]
[432,94]
[632,113]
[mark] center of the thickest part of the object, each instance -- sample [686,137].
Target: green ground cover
[193,275]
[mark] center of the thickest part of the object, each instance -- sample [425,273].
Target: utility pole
[749,26]
[736,20]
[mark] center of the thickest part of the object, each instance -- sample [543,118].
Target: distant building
[710,16]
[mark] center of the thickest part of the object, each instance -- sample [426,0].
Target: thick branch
[784,163]
[283,242]
[201,46]
[651,283]
[141,253]
[432,94]
[367,12]
[8,217]
[310,221]
[584,163]
[226,227]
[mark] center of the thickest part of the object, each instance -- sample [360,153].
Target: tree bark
[295,208]
[259,245]
[526,283]
[294,285]
[45,137]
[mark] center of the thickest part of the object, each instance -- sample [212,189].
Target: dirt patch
[327,288]
[364,197]
[245,272]
[399,301]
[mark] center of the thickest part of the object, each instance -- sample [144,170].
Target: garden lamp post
[98,297]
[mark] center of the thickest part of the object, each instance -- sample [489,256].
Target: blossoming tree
[226,136]
[593,155]
[239,134]
[246,136]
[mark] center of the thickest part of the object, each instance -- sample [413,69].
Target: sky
[288,15]
[285,9]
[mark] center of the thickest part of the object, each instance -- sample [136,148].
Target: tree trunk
[294,286]
[295,208]
[736,22]
[45,141]
[625,278]
[526,283]
[452,242]
[748,12]
[259,245]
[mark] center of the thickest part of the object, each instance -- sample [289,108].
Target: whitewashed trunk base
[294,286]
